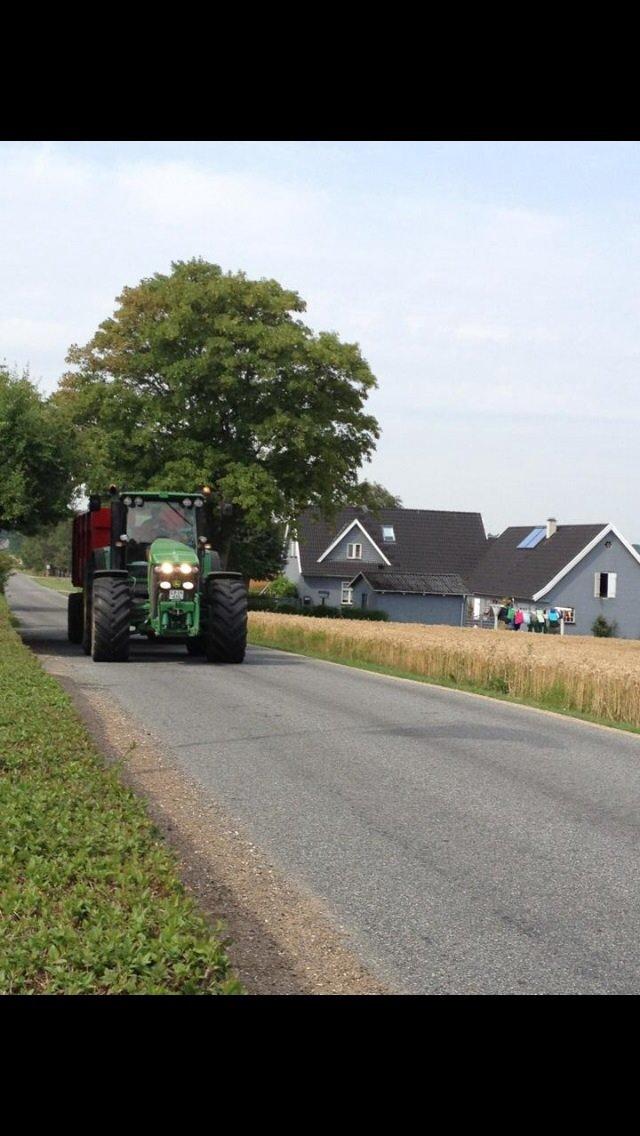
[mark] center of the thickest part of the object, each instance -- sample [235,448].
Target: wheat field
[596,677]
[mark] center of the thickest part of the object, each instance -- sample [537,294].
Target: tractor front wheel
[196,645]
[75,617]
[226,622]
[110,615]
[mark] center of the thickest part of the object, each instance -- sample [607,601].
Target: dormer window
[388,534]
[354,552]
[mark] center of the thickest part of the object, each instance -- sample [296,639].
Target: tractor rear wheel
[86,620]
[75,617]
[226,622]
[110,615]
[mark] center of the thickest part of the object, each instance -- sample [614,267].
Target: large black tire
[110,616]
[226,621]
[75,617]
[196,646]
[86,620]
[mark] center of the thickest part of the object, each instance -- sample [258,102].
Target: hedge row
[265,603]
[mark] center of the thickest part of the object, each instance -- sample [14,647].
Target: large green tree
[36,456]
[372,495]
[203,376]
[51,545]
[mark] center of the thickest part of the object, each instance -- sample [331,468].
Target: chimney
[552,526]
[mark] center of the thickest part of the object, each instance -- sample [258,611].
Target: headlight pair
[168,569]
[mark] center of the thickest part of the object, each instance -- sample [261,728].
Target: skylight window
[534,538]
[388,534]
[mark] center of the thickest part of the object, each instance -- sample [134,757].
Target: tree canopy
[374,496]
[207,377]
[36,456]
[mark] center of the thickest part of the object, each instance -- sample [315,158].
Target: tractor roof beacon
[146,568]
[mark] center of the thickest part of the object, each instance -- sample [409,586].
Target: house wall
[400,609]
[312,586]
[576,590]
[422,609]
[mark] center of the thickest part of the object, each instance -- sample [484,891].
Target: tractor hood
[172,551]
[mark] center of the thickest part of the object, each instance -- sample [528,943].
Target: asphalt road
[466,846]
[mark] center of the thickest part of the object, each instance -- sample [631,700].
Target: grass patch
[90,901]
[56,583]
[553,691]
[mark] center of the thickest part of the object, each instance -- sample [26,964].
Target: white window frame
[346,596]
[612,585]
[388,539]
[354,552]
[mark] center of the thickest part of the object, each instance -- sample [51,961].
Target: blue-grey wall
[422,609]
[313,585]
[400,609]
[576,590]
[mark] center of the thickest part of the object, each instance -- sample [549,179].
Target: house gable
[581,555]
[354,534]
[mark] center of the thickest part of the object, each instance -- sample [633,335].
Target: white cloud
[483,333]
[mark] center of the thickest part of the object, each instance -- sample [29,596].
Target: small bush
[7,566]
[282,587]
[602,629]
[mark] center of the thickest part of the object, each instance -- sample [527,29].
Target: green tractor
[146,568]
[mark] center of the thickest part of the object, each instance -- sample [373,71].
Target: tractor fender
[115,573]
[211,576]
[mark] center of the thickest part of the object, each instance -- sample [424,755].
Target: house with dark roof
[415,564]
[590,570]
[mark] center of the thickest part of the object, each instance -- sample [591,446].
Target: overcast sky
[493,287]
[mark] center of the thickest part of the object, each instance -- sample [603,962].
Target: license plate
[176,594]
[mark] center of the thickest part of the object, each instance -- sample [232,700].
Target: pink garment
[518,618]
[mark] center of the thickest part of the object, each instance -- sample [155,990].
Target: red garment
[518,618]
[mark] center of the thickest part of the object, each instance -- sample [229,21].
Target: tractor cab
[148,518]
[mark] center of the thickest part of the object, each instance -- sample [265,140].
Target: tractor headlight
[127,501]
[188,584]
[186,569]
[166,567]
[165,583]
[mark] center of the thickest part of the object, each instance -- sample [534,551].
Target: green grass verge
[57,584]
[552,702]
[90,902]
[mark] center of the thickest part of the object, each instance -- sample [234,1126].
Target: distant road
[466,846]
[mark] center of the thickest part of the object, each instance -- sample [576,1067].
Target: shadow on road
[56,644]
